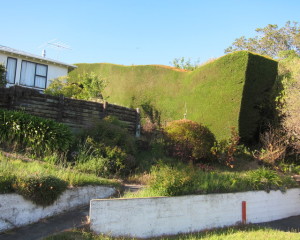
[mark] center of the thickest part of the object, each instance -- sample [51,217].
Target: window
[11,68]
[33,74]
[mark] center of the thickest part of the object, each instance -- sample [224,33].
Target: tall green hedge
[227,92]
[256,106]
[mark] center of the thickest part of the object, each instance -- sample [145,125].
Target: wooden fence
[78,114]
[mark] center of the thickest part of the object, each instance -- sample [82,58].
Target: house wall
[151,217]
[15,211]
[54,71]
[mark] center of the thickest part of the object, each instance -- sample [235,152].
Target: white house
[31,70]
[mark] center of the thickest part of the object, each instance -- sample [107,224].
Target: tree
[271,40]
[182,63]
[87,86]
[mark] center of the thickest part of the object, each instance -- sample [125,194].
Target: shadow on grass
[233,233]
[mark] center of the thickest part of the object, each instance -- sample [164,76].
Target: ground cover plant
[232,233]
[32,134]
[227,92]
[41,182]
[180,179]
[107,150]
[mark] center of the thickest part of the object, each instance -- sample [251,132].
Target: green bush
[41,190]
[188,140]
[87,86]
[33,134]
[6,183]
[173,181]
[107,149]
[267,180]
[103,160]
[180,179]
[113,132]
[2,75]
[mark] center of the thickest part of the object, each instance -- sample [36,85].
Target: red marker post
[244,212]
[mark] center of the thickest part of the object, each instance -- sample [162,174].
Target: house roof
[19,53]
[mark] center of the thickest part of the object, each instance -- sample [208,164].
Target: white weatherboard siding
[55,70]
[151,217]
[15,211]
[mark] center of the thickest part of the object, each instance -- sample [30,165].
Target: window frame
[14,82]
[35,74]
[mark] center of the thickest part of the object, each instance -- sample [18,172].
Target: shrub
[225,150]
[112,132]
[6,183]
[188,140]
[87,86]
[102,160]
[173,180]
[274,145]
[2,75]
[288,101]
[180,179]
[42,190]
[33,134]
[264,179]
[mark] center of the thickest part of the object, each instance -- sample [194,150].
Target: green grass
[19,169]
[224,93]
[233,233]
[179,180]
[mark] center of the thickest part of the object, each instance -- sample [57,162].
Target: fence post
[138,124]
[61,103]
[105,106]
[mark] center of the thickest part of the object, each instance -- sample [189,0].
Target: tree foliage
[87,86]
[185,64]
[2,75]
[271,40]
[288,101]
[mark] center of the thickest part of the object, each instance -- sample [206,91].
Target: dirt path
[63,222]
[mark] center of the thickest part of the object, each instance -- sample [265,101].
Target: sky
[137,32]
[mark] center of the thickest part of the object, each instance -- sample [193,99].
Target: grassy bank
[166,180]
[19,169]
[42,183]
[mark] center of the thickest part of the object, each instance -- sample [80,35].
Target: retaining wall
[15,211]
[77,114]
[151,217]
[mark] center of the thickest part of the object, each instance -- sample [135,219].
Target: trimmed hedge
[256,105]
[227,92]
[33,134]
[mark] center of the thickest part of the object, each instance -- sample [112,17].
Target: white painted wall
[54,70]
[151,217]
[15,211]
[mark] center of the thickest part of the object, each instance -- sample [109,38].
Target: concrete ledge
[15,211]
[152,217]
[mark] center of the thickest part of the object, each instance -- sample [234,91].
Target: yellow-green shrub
[188,140]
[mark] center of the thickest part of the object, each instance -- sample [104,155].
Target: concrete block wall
[15,211]
[151,217]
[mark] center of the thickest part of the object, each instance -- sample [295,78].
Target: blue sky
[137,31]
